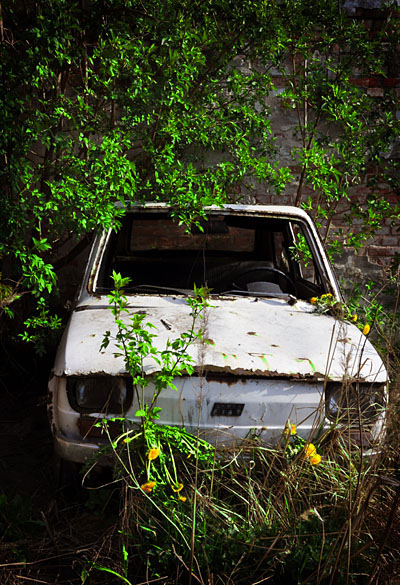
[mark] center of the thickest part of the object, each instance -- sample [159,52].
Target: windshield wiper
[155,288]
[269,295]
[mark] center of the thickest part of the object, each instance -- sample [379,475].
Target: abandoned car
[267,354]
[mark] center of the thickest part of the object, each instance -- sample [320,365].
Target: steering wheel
[242,277]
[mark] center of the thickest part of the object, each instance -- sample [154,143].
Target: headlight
[351,401]
[102,394]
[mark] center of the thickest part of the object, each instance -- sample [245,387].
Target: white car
[267,355]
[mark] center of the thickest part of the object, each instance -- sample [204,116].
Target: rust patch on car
[223,378]
[261,373]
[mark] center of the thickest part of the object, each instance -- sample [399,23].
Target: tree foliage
[107,101]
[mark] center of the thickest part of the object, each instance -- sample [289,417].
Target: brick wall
[377,255]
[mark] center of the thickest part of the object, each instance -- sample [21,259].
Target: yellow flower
[311,454]
[153,454]
[183,498]
[148,486]
[366,329]
[315,459]
[354,318]
[313,300]
[290,429]
[177,488]
[310,450]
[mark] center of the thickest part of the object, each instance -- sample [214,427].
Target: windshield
[228,253]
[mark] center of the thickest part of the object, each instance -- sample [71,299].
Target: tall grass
[257,514]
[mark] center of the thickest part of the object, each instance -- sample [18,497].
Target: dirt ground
[46,535]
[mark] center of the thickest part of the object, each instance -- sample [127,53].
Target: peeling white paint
[246,336]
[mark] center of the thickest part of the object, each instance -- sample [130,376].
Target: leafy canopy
[107,101]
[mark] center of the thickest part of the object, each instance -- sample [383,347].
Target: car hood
[242,336]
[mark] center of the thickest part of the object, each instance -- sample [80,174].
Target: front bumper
[80,451]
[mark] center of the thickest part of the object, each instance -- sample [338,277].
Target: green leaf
[140,412]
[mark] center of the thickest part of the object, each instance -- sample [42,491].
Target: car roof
[239,209]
